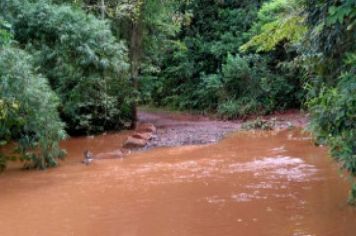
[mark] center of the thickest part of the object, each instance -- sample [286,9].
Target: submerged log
[132,142]
[145,136]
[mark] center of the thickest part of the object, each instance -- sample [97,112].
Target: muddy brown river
[251,183]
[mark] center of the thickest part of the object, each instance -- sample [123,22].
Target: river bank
[177,129]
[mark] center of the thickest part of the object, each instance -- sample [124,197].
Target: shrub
[209,92]
[352,198]
[333,120]
[259,123]
[28,111]
[255,88]
[232,109]
[229,109]
[237,75]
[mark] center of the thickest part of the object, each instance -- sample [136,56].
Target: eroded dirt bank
[272,183]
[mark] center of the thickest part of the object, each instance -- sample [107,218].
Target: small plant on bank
[260,123]
[352,197]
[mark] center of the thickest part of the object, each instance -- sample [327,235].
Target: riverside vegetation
[81,67]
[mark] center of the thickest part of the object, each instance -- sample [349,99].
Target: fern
[278,21]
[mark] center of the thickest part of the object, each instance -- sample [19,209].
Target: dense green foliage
[145,25]
[28,111]
[331,65]
[204,70]
[333,120]
[83,62]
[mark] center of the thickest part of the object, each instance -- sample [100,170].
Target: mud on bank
[177,129]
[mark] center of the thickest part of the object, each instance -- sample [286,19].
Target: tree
[86,66]
[142,23]
[28,108]
[147,23]
[28,112]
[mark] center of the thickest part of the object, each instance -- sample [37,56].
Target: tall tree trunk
[135,47]
[102,9]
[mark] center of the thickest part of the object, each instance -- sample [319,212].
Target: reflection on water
[255,183]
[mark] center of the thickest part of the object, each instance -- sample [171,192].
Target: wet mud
[177,129]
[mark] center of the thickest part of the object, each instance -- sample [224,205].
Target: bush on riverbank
[28,111]
[333,120]
[331,63]
[86,66]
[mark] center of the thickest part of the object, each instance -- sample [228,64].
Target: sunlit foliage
[277,21]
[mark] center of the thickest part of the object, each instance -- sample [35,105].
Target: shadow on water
[251,183]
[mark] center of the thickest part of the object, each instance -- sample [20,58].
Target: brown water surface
[255,183]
